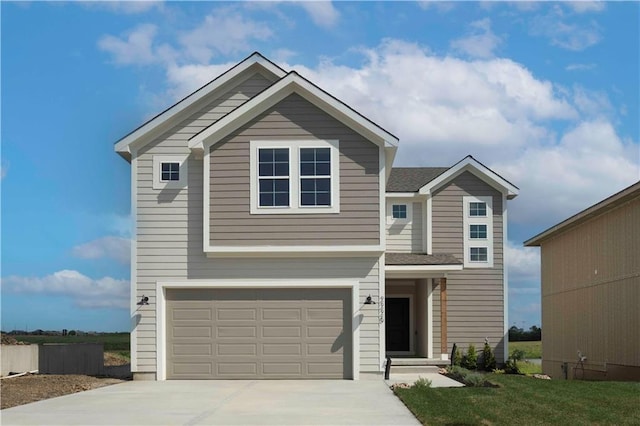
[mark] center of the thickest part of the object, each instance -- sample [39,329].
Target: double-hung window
[273,177]
[478,232]
[315,176]
[289,177]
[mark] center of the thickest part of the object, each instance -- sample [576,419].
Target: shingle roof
[420,259]
[411,179]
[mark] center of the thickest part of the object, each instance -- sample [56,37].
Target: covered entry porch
[415,305]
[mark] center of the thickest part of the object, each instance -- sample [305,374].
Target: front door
[397,330]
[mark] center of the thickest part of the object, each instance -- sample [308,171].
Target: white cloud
[225,31]
[489,108]
[480,43]
[127,7]
[85,292]
[580,67]
[589,163]
[134,48]
[117,248]
[322,13]
[523,263]
[562,33]
[581,6]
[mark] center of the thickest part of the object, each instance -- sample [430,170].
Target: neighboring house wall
[294,118]
[404,236]
[475,296]
[591,295]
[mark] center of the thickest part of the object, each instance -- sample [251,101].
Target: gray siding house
[273,239]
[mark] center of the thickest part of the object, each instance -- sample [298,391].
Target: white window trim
[294,176]
[391,220]
[469,242]
[158,183]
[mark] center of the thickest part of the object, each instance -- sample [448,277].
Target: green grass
[529,368]
[531,349]
[111,341]
[524,400]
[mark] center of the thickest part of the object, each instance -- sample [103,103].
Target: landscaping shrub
[511,366]
[470,360]
[458,373]
[475,380]
[488,358]
[457,357]
[422,384]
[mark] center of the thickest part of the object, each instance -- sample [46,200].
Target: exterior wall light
[369,301]
[143,301]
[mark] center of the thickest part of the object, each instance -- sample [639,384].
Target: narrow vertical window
[315,177]
[273,177]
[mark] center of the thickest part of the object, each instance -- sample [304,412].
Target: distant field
[531,349]
[112,341]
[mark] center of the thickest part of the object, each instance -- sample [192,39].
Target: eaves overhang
[293,83]
[479,170]
[139,136]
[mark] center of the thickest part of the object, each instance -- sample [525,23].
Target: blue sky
[546,94]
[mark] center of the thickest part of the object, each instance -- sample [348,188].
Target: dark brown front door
[397,324]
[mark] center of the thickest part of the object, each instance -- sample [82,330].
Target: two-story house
[273,239]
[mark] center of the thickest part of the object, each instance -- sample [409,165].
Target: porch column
[443,317]
[422,314]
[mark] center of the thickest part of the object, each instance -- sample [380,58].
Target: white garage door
[258,333]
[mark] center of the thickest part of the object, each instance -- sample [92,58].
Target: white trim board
[161,306]
[136,138]
[291,83]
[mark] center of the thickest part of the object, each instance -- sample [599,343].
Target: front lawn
[530,349]
[524,400]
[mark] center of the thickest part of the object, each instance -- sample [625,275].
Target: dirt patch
[114,358]
[34,387]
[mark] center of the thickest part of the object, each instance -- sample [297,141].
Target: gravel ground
[34,387]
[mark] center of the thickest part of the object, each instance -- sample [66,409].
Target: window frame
[183,172]
[274,177]
[470,242]
[295,177]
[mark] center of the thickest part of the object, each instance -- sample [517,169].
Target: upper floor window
[294,177]
[273,177]
[478,209]
[399,211]
[169,171]
[478,231]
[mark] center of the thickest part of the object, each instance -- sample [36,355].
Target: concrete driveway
[237,402]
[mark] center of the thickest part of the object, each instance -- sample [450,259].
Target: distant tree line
[517,334]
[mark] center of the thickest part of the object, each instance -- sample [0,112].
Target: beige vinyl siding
[591,295]
[169,240]
[169,246]
[231,223]
[475,299]
[405,237]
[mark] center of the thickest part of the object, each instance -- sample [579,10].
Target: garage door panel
[275,314]
[191,349]
[264,333]
[235,314]
[237,349]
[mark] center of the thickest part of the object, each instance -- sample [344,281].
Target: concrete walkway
[238,402]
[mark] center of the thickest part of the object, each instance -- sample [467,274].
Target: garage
[258,333]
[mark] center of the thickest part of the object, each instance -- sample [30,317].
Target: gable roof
[137,136]
[627,194]
[425,180]
[292,83]
[482,172]
[411,179]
